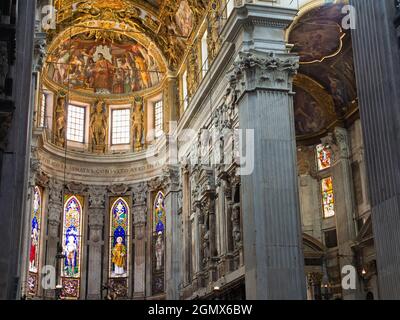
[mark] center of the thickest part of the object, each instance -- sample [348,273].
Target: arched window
[72,244]
[159,223]
[119,238]
[34,247]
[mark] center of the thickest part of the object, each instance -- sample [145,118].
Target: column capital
[259,70]
[170,179]
[339,143]
[139,193]
[97,197]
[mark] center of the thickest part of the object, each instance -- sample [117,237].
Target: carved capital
[139,193]
[54,215]
[74,187]
[118,189]
[55,191]
[342,143]
[170,179]
[97,197]
[271,71]
[339,143]
[39,51]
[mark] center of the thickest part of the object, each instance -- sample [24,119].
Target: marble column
[16,109]
[139,224]
[377,67]
[173,232]
[54,218]
[96,212]
[272,239]
[345,204]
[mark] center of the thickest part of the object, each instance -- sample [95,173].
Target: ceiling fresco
[103,67]
[168,24]
[326,71]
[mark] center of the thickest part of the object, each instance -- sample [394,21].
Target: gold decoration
[59,125]
[193,72]
[316,90]
[138,124]
[213,40]
[98,127]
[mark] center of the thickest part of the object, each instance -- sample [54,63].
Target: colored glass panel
[324,157]
[35,230]
[328,197]
[119,239]
[159,218]
[72,237]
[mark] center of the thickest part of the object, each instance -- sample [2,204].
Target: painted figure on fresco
[119,258]
[184,18]
[103,74]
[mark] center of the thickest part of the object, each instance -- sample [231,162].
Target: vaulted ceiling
[168,24]
[325,87]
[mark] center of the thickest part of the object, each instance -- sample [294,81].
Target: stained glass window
[71,242]
[159,220]
[159,214]
[34,248]
[119,237]
[328,197]
[324,157]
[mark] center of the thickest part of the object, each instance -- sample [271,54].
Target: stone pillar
[272,229]
[377,66]
[97,209]
[344,204]
[173,232]
[15,118]
[54,219]
[139,223]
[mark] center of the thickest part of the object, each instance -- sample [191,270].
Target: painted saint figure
[33,249]
[103,74]
[70,255]
[159,251]
[119,258]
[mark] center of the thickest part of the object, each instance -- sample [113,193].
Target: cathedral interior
[199,149]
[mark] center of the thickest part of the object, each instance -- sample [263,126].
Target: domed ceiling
[325,86]
[119,47]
